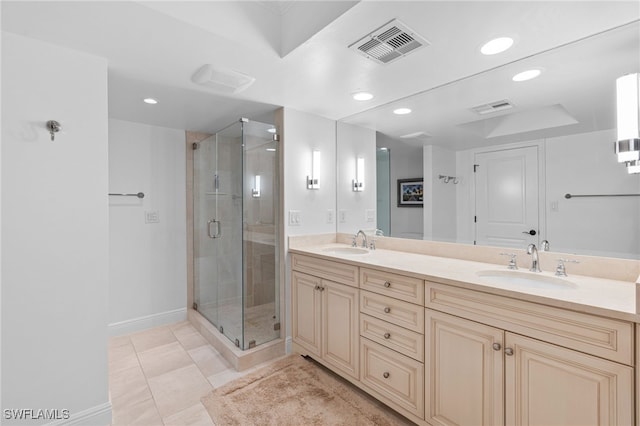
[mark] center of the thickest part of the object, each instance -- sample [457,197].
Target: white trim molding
[100,415]
[142,323]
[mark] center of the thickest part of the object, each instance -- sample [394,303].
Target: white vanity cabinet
[325,319]
[446,355]
[481,374]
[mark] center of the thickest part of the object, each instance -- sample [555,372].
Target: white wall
[440,198]
[147,261]
[54,231]
[585,164]
[302,134]
[355,210]
[406,163]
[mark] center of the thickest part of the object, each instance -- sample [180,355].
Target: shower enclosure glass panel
[235,232]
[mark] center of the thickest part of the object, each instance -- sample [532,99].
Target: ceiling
[298,53]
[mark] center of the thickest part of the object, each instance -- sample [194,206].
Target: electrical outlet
[370,215]
[152,216]
[330,216]
[342,214]
[294,218]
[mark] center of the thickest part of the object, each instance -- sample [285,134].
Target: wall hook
[53,127]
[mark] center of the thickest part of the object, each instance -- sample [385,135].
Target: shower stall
[235,232]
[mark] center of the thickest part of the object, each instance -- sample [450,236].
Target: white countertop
[610,298]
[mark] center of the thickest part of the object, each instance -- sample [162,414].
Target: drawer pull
[508,351]
[385,374]
[387,284]
[387,310]
[497,346]
[387,335]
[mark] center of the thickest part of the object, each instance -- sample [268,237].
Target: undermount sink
[526,279]
[346,251]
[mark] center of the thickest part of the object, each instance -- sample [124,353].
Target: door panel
[507,197]
[340,327]
[464,383]
[550,385]
[305,310]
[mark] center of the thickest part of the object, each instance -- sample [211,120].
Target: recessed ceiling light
[150,101]
[271,130]
[384,148]
[271,149]
[362,96]
[402,111]
[526,75]
[497,45]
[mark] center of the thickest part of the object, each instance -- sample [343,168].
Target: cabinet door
[550,385]
[340,327]
[306,312]
[464,371]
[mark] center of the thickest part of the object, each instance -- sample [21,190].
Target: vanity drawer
[392,377]
[328,269]
[607,338]
[404,288]
[395,311]
[399,339]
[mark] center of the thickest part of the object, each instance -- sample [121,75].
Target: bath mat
[295,391]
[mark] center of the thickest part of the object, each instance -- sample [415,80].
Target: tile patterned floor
[157,377]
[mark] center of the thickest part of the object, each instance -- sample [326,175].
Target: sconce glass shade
[313,181]
[358,182]
[627,145]
[255,192]
[633,167]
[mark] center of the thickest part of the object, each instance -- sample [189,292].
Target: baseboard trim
[100,415]
[146,322]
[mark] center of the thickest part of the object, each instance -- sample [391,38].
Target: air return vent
[492,107]
[388,43]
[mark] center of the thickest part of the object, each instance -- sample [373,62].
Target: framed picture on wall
[410,192]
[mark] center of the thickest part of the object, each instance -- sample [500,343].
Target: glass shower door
[261,313]
[236,211]
[218,206]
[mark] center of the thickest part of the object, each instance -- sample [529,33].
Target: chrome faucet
[364,239]
[533,251]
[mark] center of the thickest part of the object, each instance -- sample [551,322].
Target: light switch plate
[152,216]
[342,214]
[294,218]
[370,215]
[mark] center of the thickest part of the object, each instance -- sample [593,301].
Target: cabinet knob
[387,284]
[387,335]
[387,310]
[508,351]
[317,287]
[321,288]
[497,346]
[385,374]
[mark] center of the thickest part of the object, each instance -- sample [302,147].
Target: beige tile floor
[157,377]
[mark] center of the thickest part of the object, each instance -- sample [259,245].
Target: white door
[507,197]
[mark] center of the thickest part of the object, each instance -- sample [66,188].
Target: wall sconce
[627,146]
[313,181]
[255,191]
[358,182]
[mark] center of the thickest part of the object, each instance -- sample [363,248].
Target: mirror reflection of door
[506,184]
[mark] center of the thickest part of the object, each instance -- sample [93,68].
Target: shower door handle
[218,233]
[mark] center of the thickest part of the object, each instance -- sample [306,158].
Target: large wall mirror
[498,157]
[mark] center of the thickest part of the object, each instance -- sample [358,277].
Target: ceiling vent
[389,43]
[222,79]
[492,107]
